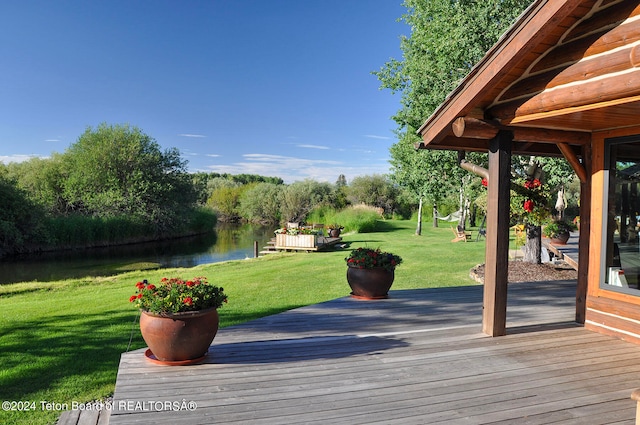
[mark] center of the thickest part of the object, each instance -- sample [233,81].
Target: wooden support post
[635,395]
[583,241]
[494,313]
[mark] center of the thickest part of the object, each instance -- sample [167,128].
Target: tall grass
[358,218]
[76,230]
[86,231]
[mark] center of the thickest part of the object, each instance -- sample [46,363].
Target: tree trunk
[435,215]
[533,245]
[419,227]
[472,215]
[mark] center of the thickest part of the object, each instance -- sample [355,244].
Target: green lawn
[60,342]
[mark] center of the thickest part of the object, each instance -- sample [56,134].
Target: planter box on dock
[296,241]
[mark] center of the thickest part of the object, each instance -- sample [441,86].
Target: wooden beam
[494,312]
[583,241]
[572,159]
[482,145]
[616,61]
[475,169]
[474,128]
[611,88]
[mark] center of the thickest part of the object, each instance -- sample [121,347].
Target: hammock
[455,216]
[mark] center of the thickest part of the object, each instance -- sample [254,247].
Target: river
[227,242]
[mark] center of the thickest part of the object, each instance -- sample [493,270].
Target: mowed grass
[60,342]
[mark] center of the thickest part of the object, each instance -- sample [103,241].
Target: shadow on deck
[418,357]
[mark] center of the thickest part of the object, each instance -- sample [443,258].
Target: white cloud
[52,140]
[18,158]
[373,136]
[292,169]
[212,155]
[192,135]
[313,146]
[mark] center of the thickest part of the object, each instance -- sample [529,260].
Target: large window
[622,250]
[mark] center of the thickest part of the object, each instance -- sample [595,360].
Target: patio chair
[460,234]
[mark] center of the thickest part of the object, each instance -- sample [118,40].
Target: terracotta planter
[179,338]
[560,239]
[370,284]
[334,233]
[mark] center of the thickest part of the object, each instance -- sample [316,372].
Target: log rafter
[466,127]
[474,128]
[597,61]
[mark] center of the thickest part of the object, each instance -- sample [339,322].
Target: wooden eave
[567,68]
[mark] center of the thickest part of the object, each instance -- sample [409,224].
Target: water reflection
[227,242]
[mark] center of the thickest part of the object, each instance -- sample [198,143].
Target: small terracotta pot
[334,233]
[180,337]
[560,239]
[370,284]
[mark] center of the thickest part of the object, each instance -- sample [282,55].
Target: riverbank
[63,339]
[68,233]
[223,244]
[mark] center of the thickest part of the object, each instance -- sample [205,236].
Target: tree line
[116,185]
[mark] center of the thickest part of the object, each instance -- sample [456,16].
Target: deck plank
[418,357]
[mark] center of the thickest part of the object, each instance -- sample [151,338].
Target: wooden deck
[418,357]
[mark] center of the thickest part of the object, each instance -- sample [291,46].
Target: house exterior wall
[608,312]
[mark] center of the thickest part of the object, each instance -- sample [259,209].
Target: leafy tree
[447,38]
[43,182]
[375,190]
[255,178]
[299,198]
[340,192]
[21,220]
[426,175]
[118,170]
[260,203]
[225,200]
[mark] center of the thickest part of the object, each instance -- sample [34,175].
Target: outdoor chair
[460,234]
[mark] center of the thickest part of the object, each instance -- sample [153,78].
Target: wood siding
[608,312]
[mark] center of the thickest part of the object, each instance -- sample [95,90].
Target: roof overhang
[565,69]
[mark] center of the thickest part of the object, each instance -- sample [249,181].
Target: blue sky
[272,87]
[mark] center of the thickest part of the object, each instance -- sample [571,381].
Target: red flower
[140,295]
[132,298]
[528,205]
[188,301]
[151,287]
[190,283]
[485,182]
[140,285]
[532,184]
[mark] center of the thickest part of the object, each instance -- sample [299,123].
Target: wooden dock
[418,357]
[322,244]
